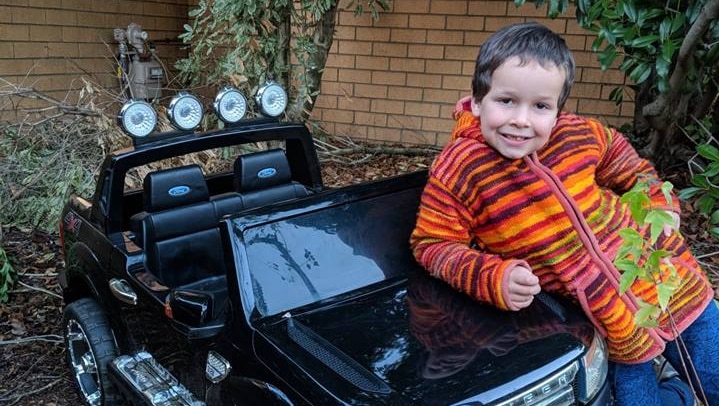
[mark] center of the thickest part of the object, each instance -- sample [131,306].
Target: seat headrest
[260,170]
[174,187]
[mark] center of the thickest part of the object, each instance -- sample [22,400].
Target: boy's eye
[542,106]
[505,101]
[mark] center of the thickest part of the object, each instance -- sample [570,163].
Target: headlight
[185,111]
[137,118]
[594,369]
[230,105]
[271,98]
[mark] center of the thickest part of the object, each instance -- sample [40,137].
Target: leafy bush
[705,185]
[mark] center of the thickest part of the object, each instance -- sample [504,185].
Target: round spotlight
[230,105]
[271,98]
[137,118]
[185,111]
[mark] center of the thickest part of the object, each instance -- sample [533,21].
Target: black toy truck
[258,286]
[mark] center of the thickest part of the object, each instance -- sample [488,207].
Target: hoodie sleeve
[442,237]
[620,167]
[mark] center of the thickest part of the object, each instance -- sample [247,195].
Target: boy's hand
[672,227]
[523,285]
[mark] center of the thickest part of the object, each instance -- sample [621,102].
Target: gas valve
[139,69]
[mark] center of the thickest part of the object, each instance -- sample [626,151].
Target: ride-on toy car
[256,285]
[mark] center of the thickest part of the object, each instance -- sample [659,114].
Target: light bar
[271,99]
[230,105]
[137,118]
[185,111]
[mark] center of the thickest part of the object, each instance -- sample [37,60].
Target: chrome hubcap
[83,363]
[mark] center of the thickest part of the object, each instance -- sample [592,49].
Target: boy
[525,197]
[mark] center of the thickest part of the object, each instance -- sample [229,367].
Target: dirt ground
[32,367]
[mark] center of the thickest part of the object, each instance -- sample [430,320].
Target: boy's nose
[520,118]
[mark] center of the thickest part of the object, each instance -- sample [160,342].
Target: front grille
[557,390]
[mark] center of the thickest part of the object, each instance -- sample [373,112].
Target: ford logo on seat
[179,191]
[266,173]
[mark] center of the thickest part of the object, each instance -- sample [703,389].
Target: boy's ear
[475,107]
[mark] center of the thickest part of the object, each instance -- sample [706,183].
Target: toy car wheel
[90,348]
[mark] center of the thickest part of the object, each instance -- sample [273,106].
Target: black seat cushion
[174,187]
[264,177]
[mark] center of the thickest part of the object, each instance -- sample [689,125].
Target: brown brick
[447,110]
[468,68]
[442,138]
[590,75]
[444,67]
[47,66]
[6,51]
[372,34]
[410,6]
[61,17]
[421,109]
[408,35]
[354,76]
[384,134]
[402,121]
[387,106]
[336,88]
[392,20]
[445,37]
[173,25]
[95,50]
[425,51]
[81,34]
[465,23]
[427,21]
[15,2]
[462,53]
[350,130]
[586,90]
[338,116]
[79,5]
[406,65]
[384,49]
[599,107]
[424,80]
[526,10]
[442,96]
[325,102]
[404,93]
[371,91]
[10,67]
[154,9]
[354,47]
[27,15]
[475,39]
[330,74]
[341,61]
[493,24]
[30,50]
[62,49]
[457,82]
[371,119]
[11,32]
[107,6]
[47,33]
[488,7]
[91,19]
[389,78]
[372,62]
[437,124]
[5,14]
[353,103]
[349,18]
[558,25]
[344,32]
[448,7]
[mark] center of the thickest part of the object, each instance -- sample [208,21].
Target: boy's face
[519,111]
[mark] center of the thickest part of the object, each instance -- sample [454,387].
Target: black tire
[90,346]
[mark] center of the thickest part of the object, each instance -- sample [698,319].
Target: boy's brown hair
[530,42]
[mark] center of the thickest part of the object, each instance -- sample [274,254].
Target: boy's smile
[521,107]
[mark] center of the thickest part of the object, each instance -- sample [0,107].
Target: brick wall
[46,44]
[397,79]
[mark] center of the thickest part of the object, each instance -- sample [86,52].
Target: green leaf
[617,95]
[700,181]
[714,219]
[688,193]
[607,57]
[714,231]
[708,151]
[630,10]
[640,73]
[645,41]
[657,220]
[664,294]
[666,189]
[706,204]
[646,315]
[630,274]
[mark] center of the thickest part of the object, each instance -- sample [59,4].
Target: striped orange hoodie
[558,212]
